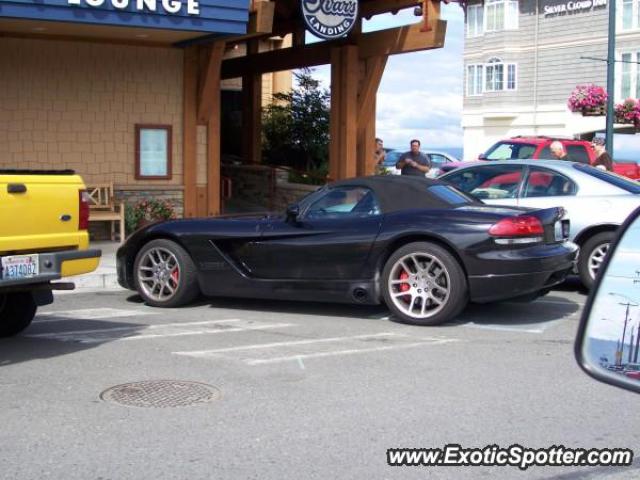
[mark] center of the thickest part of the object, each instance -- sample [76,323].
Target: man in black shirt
[413,162]
[603,160]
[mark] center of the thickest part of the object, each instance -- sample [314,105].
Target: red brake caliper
[404,286]
[175,275]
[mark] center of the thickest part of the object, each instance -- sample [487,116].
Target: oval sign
[330,19]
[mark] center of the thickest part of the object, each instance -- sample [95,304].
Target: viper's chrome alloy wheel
[159,274]
[596,258]
[419,285]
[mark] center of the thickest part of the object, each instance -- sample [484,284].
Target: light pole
[629,303]
[611,63]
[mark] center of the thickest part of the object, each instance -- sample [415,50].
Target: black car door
[330,239]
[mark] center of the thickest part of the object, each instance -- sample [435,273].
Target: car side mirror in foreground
[293,211]
[608,342]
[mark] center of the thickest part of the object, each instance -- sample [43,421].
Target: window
[491,182]
[628,76]
[345,202]
[153,152]
[629,15]
[510,151]
[500,15]
[494,74]
[474,80]
[475,23]
[547,183]
[577,153]
[450,195]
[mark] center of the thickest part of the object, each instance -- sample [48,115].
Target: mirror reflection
[613,333]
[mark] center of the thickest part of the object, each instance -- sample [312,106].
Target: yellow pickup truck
[44,217]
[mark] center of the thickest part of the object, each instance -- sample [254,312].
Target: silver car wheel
[419,285]
[159,274]
[596,258]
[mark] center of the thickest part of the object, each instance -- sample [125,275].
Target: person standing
[558,151]
[414,162]
[603,159]
[379,154]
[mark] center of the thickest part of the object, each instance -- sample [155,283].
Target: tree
[295,127]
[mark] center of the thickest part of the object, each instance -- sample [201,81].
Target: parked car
[597,201]
[537,147]
[44,217]
[419,245]
[437,160]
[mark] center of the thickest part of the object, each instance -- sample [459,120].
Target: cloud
[420,95]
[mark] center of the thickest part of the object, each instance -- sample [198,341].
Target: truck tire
[16,312]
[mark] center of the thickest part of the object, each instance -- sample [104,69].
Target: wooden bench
[103,208]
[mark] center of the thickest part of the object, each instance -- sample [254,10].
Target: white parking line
[297,350]
[89,314]
[145,332]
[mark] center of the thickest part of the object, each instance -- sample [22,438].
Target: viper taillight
[83,210]
[523,226]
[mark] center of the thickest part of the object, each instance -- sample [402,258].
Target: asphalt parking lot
[298,390]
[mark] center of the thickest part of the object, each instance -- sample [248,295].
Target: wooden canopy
[357,64]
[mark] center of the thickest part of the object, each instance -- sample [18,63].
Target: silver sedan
[597,201]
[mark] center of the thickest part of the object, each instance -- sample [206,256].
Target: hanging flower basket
[628,112]
[589,100]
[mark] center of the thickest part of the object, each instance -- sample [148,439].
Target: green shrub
[145,211]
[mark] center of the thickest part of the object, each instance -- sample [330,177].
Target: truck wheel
[165,275]
[423,284]
[16,312]
[592,255]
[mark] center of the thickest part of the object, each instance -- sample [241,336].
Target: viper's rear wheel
[423,284]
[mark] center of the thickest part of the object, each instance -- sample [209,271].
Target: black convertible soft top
[402,192]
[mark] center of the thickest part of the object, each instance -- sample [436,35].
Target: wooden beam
[213,162]
[343,121]
[260,22]
[383,42]
[402,40]
[189,134]
[374,68]
[252,112]
[210,85]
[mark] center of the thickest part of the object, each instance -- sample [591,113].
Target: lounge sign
[330,19]
[578,6]
[153,6]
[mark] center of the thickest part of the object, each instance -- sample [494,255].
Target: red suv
[538,147]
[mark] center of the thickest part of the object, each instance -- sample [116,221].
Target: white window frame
[490,66]
[634,73]
[478,26]
[480,89]
[635,14]
[510,13]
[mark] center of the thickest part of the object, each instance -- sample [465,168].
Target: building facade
[522,60]
[98,87]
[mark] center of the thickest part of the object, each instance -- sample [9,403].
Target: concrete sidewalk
[105,276]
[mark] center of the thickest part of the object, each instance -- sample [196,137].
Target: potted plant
[147,211]
[588,100]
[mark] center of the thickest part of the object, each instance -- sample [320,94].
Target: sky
[420,95]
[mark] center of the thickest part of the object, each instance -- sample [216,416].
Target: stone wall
[287,193]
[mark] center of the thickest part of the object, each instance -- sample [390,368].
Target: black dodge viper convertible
[421,246]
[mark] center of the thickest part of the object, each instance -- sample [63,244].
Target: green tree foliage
[295,127]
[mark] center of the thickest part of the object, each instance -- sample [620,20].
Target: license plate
[19,266]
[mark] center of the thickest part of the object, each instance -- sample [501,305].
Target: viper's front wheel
[165,275]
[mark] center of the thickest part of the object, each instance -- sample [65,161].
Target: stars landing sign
[329,19]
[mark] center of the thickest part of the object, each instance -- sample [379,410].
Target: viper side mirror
[293,211]
[608,341]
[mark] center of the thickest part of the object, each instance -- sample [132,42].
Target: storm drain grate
[161,394]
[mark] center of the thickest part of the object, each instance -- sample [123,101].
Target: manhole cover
[161,394]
